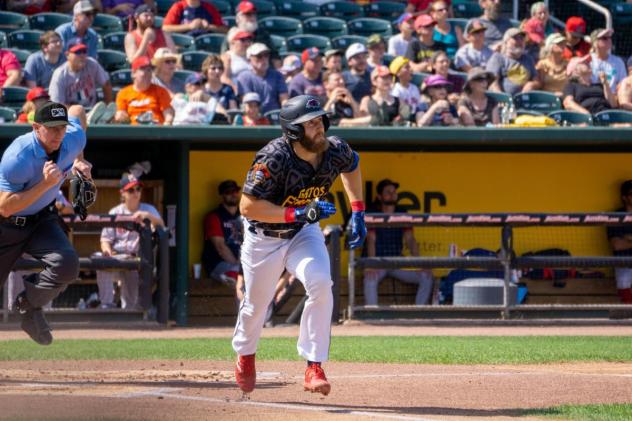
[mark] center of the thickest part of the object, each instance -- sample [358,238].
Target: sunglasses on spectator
[248,39]
[134,189]
[81,52]
[171,61]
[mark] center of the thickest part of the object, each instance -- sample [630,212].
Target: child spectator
[420,49]
[382,106]
[40,65]
[475,108]
[475,53]
[398,44]
[80,31]
[212,69]
[309,81]
[196,106]
[377,48]
[435,109]
[34,99]
[10,69]
[251,107]
[451,36]
[145,39]
[165,64]
[291,67]
[575,45]
[193,17]
[333,60]
[262,79]
[404,90]
[441,66]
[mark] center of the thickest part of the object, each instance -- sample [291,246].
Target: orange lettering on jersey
[304,197]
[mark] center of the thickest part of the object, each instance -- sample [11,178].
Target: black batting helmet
[298,110]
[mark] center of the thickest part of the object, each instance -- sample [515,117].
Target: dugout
[446,170]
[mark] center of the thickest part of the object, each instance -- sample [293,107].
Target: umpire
[32,169]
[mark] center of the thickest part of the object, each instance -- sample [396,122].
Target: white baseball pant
[373,277]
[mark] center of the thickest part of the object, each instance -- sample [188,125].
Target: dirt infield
[205,390]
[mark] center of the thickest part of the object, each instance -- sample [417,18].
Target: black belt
[23,221]
[284,235]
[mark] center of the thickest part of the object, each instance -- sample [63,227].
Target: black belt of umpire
[284,235]
[23,221]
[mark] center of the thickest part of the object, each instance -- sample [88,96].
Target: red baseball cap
[142,61]
[576,25]
[35,93]
[246,7]
[243,34]
[535,30]
[310,54]
[78,47]
[381,71]
[423,21]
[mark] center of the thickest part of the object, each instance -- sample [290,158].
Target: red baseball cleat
[315,380]
[245,373]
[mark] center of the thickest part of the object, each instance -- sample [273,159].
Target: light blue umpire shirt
[23,161]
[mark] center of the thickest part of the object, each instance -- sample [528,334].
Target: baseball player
[280,203]
[32,169]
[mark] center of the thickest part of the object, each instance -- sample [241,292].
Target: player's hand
[314,212]
[82,166]
[52,173]
[357,230]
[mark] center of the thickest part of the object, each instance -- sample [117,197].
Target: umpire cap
[51,114]
[298,110]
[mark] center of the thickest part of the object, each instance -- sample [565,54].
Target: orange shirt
[155,99]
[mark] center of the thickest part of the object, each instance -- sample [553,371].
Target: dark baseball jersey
[279,176]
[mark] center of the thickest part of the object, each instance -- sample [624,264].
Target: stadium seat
[21,55]
[14,97]
[183,74]
[609,117]
[460,22]
[11,21]
[500,97]
[344,41]
[7,115]
[223,7]
[325,26]
[273,116]
[192,60]
[571,118]
[230,21]
[541,101]
[158,21]
[264,8]
[121,78]
[48,21]
[105,24]
[369,26]
[342,10]
[388,10]
[114,41]
[232,113]
[25,40]
[183,42]
[467,10]
[298,10]
[298,43]
[278,44]
[281,25]
[163,6]
[418,78]
[112,60]
[211,43]
[3,40]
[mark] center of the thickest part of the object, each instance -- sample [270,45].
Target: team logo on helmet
[312,103]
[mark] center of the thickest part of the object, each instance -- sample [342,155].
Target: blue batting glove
[314,212]
[357,230]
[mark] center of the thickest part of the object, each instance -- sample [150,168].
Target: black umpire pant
[45,240]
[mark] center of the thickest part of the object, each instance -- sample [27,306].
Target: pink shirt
[8,61]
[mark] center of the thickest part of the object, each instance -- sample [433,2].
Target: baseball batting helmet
[298,110]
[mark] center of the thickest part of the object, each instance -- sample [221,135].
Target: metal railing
[588,3]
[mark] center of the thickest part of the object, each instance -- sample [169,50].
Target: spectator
[357,78]
[76,81]
[620,238]
[376,48]
[79,31]
[398,44]
[625,90]
[421,48]
[551,68]
[437,111]
[165,65]
[143,98]
[40,65]
[441,66]
[382,106]
[496,24]
[29,7]
[475,53]
[450,36]
[262,79]
[475,108]
[512,68]
[404,90]
[65,6]
[223,235]
[417,7]
[145,39]
[584,96]
[10,69]
[251,108]
[34,99]
[212,69]
[603,61]
[291,67]
[193,17]
[124,244]
[246,20]
[540,11]
[196,106]
[534,30]
[234,58]
[575,44]
[389,242]
[310,80]
[127,8]
[342,109]
[333,60]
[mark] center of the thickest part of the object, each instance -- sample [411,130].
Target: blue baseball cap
[403,18]
[193,79]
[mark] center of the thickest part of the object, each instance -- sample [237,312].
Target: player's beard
[389,202]
[316,145]
[231,200]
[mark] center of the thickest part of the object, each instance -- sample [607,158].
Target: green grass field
[611,412]
[412,350]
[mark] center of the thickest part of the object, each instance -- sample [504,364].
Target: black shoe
[33,321]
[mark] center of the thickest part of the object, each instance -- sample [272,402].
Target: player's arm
[370,243]
[261,209]
[13,202]
[411,242]
[224,252]
[352,182]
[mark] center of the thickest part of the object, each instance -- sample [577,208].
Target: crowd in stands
[433,71]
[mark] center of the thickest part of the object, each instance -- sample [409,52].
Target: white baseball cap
[355,49]
[256,49]
[252,97]
[82,6]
